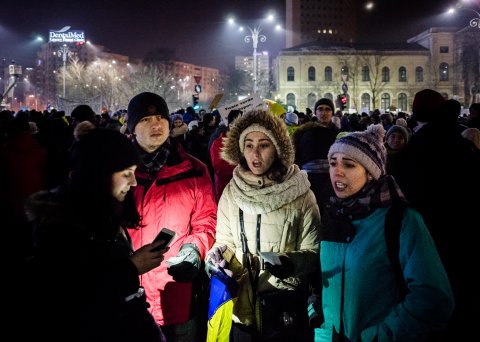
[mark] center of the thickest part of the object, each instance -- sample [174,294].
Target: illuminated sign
[14,69]
[65,35]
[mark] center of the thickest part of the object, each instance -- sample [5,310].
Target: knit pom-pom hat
[365,147]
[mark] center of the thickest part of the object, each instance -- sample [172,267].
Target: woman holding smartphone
[85,270]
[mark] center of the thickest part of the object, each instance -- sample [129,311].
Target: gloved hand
[315,312]
[185,266]
[215,261]
[282,271]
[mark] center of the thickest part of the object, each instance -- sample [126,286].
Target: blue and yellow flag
[223,294]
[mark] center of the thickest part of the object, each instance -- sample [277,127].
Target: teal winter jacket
[359,288]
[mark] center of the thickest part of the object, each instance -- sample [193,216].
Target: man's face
[324,115]
[151,132]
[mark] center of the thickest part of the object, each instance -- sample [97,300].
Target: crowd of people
[85,195]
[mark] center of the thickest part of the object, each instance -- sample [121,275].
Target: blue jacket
[359,285]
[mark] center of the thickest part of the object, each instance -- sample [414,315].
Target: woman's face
[347,175]
[122,181]
[259,152]
[178,123]
[396,140]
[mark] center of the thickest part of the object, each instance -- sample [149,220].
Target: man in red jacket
[223,171]
[174,191]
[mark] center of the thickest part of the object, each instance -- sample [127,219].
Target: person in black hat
[174,191]
[324,110]
[82,113]
[85,270]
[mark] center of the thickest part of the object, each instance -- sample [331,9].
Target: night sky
[196,30]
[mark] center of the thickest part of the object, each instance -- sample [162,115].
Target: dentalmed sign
[65,35]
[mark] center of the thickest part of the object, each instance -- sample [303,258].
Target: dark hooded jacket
[82,277]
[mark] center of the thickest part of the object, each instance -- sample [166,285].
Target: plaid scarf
[375,194]
[151,163]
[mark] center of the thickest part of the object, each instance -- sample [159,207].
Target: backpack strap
[393,225]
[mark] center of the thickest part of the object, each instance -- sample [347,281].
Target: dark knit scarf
[151,163]
[375,194]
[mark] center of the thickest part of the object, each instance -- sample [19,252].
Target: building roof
[318,46]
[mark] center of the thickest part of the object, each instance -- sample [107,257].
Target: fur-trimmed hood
[231,151]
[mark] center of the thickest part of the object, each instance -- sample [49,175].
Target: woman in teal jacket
[361,296]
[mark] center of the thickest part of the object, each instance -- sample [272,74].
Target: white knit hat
[257,128]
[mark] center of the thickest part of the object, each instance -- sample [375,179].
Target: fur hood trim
[232,151]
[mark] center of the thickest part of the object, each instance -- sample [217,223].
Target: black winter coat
[78,281]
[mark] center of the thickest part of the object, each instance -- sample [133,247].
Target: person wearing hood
[84,281]
[271,198]
[366,296]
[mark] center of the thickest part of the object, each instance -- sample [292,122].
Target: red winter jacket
[180,198]
[223,171]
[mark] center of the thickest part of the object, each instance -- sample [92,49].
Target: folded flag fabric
[223,294]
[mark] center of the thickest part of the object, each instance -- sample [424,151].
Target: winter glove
[282,271]
[185,266]
[315,312]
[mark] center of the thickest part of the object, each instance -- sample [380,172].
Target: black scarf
[151,163]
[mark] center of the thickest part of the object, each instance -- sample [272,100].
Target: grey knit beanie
[399,129]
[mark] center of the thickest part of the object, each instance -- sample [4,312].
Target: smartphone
[166,235]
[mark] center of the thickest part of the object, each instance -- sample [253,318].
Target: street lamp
[474,22]
[64,52]
[255,37]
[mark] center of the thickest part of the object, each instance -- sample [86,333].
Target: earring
[369,177]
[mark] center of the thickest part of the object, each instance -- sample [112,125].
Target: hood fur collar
[231,148]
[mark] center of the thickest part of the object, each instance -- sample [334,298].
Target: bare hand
[146,258]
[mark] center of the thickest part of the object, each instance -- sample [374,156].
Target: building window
[365,74]
[402,74]
[290,74]
[311,99]
[402,102]
[443,72]
[366,101]
[311,73]
[385,102]
[328,74]
[328,96]
[443,49]
[344,72]
[385,74]
[418,74]
[291,100]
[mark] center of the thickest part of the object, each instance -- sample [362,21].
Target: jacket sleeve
[429,303]
[306,257]
[204,214]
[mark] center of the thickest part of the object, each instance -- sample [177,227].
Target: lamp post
[474,22]
[255,37]
[64,52]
